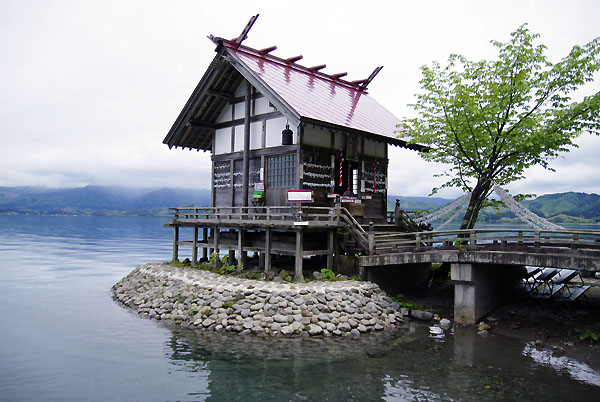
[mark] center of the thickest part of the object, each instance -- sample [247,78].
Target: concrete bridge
[484,263]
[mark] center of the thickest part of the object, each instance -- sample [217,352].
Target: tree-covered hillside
[98,200]
[107,200]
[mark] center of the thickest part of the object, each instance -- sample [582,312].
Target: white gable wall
[274,127]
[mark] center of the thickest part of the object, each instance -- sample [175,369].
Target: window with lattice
[281,171]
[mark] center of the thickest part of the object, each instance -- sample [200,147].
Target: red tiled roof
[316,96]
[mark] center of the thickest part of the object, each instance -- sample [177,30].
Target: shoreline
[201,299]
[557,327]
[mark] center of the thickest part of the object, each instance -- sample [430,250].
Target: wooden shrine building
[293,150]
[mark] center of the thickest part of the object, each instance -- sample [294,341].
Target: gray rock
[216,304]
[324,317]
[421,315]
[280,318]
[314,329]
[344,327]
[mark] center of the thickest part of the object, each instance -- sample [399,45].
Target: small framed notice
[259,186]
[300,196]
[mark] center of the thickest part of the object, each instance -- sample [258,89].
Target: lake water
[63,338]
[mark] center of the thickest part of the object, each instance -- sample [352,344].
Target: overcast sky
[89,89]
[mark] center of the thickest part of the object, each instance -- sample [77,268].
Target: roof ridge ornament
[244,35]
[236,43]
[362,84]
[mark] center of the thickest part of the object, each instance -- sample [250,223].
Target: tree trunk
[479,194]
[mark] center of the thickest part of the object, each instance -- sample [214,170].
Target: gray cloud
[90,89]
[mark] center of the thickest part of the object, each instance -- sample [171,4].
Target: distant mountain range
[98,200]
[568,207]
[108,200]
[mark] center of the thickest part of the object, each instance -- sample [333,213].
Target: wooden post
[537,239]
[418,242]
[371,238]
[574,245]
[246,154]
[268,250]
[216,239]
[195,247]
[205,240]
[175,244]
[330,249]
[299,252]
[472,240]
[241,257]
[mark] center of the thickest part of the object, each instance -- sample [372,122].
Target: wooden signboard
[300,196]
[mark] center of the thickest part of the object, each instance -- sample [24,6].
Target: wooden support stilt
[268,250]
[205,240]
[175,244]
[299,251]
[215,239]
[195,247]
[240,252]
[330,247]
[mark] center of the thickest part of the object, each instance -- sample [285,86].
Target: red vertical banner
[374,175]
[341,170]
[349,186]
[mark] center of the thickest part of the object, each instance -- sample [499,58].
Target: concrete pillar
[480,287]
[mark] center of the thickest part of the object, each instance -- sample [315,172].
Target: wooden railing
[238,214]
[284,215]
[489,239]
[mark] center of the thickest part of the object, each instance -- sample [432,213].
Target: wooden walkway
[329,229]
[576,249]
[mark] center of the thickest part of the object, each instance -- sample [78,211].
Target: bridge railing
[489,239]
[242,214]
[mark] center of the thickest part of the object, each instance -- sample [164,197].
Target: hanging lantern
[287,136]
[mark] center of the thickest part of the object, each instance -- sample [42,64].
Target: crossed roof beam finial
[361,85]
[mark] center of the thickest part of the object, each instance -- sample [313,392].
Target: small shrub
[405,304]
[214,257]
[327,275]
[356,278]
[587,336]
[285,275]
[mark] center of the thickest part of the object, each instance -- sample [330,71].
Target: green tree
[491,120]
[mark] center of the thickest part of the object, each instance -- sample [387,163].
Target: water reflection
[579,371]
[64,339]
[252,368]
[407,365]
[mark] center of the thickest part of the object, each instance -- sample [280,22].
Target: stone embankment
[200,299]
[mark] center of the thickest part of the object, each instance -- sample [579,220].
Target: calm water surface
[62,338]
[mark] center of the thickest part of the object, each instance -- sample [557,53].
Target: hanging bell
[287,136]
